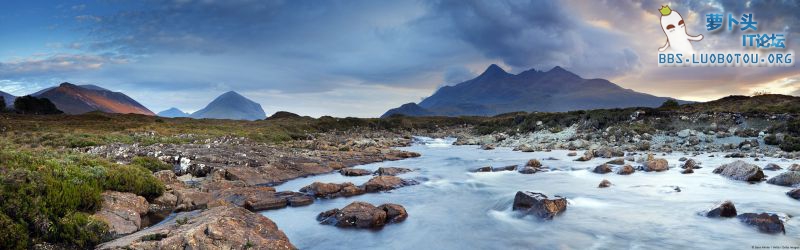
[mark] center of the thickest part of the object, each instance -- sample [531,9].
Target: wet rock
[385,183]
[122,212]
[788,179]
[223,227]
[528,170]
[484,169]
[690,164]
[588,155]
[572,154]
[265,202]
[772,167]
[391,171]
[722,209]
[332,190]
[682,159]
[766,223]
[626,170]
[687,171]
[740,170]
[487,146]
[794,167]
[602,169]
[354,172]
[539,205]
[656,165]
[363,215]
[794,193]
[300,200]
[604,184]
[524,148]
[506,168]
[534,163]
[618,161]
[608,152]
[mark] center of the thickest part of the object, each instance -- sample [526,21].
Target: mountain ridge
[231,105]
[74,99]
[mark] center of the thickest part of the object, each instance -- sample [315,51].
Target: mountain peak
[561,71]
[493,71]
[231,105]
[66,84]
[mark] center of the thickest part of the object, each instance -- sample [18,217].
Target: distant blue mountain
[172,113]
[231,105]
[495,92]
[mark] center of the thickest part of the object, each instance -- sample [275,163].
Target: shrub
[12,235]
[37,106]
[134,179]
[790,144]
[669,104]
[771,140]
[151,163]
[80,229]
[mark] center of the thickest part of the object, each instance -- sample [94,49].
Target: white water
[453,208]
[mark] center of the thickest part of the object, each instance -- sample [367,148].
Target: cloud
[41,65]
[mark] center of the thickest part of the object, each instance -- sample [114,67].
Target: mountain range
[172,113]
[231,105]
[496,91]
[74,99]
[9,98]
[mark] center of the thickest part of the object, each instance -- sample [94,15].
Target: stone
[484,169]
[618,161]
[572,154]
[587,155]
[191,199]
[354,172]
[722,209]
[604,184]
[222,227]
[626,170]
[788,179]
[690,163]
[299,201]
[528,170]
[794,167]
[539,205]
[740,170]
[487,146]
[383,183]
[772,167]
[766,223]
[657,165]
[122,212]
[534,163]
[602,169]
[794,193]
[391,171]
[687,171]
[363,215]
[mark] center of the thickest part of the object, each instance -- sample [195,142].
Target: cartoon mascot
[673,26]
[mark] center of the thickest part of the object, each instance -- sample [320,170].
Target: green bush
[790,144]
[151,163]
[134,179]
[12,235]
[80,229]
[771,140]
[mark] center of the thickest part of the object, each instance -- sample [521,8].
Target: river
[453,208]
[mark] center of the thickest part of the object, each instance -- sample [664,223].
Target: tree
[670,104]
[37,106]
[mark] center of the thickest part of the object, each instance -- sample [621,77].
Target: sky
[361,58]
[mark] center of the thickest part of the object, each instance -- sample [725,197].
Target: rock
[528,170]
[191,199]
[626,170]
[506,168]
[385,183]
[794,193]
[169,179]
[572,154]
[363,215]
[539,205]
[722,209]
[239,195]
[265,202]
[487,146]
[608,152]
[391,171]
[687,171]
[534,163]
[394,213]
[122,212]
[223,227]
[524,148]
[794,167]
[740,170]
[766,223]
[588,155]
[690,163]
[484,169]
[788,179]
[354,172]
[332,190]
[618,161]
[602,169]
[298,201]
[772,167]
[604,184]
[657,165]
[682,159]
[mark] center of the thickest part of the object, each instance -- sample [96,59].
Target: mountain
[9,98]
[172,113]
[231,105]
[74,99]
[496,91]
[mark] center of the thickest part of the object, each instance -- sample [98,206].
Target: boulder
[223,227]
[608,152]
[572,154]
[506,168]
[788,179]
[534,163]
[794,193]
[122,212]
[740,170]
[722,209]
[487,146]
[687,171]
[657,165]
[354,172]
[191,199]
[169,179]
[794,167]
[332,190]
[363,215]
[385,183]
[626,170]
[528,170]
[539,205]
[588,155]
[772,167]
[766,223]
[391,171]
[690,164]
[618,161]
[602,169]
[484,169]
[604,184]
[525,148]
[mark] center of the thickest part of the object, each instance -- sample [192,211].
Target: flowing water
[453,208]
